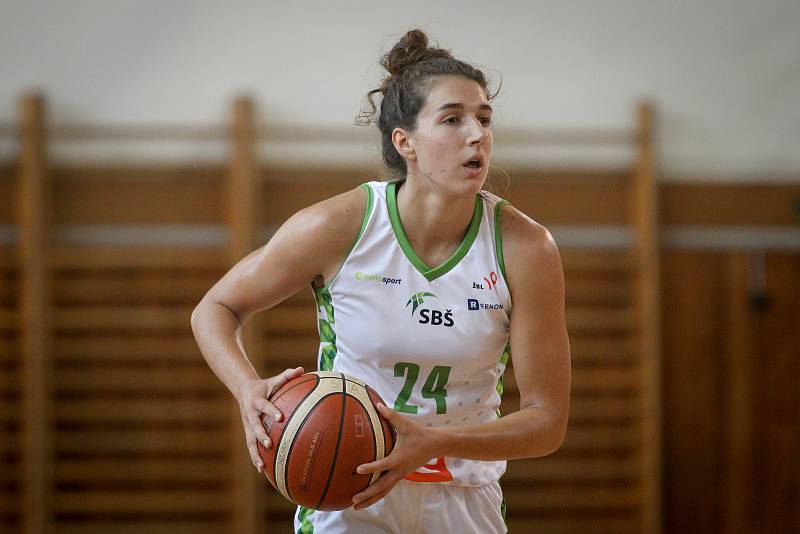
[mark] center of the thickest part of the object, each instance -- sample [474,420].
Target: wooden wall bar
[241,215]
[648,305]
[35,319]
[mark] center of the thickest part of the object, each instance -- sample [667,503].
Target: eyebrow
[455,105]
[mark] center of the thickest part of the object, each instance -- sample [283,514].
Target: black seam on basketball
[313,377]
[285,424]
[374,441]
[391,435]
[338,443]
[287,390]
[299,428]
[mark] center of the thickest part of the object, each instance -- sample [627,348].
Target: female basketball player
[416,278]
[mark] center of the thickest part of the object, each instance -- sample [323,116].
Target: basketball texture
[329,427]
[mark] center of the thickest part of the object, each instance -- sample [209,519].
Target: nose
[477,132]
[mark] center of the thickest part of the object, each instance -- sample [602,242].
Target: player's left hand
[416,445]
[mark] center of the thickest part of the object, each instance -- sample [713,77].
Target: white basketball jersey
[432,341]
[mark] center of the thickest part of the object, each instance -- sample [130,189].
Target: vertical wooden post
[646,225]
[242,195]
[739,400]
[35,318]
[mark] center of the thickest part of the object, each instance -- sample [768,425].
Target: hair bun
[410,49]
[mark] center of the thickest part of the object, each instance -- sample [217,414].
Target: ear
[404,143]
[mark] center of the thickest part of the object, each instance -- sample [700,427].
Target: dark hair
[413,66]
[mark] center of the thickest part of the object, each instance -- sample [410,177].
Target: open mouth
[474,163]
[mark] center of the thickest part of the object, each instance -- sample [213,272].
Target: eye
[486,121]
[451,120]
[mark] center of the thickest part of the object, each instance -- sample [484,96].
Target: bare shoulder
[525,239]
[528,247]
[324,233]
[309,246]
[338,218]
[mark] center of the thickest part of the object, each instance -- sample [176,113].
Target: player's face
[453,130]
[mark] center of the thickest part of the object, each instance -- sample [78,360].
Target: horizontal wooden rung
[141,501]
[290,345]
[10,442]
[145,525]
[9,410]
[9,255]
[593,380]
[123,379]
[10,512]
[139,347]
[604,409]
[8,290]
[571,470]
[9,351]
[600,319]
[99,409]
[573,499]
[142,470]
[9,320]
[288,319]
[99,257]
[624,523]
[578,260]
[164,441]
[599,439]
[99,318]
[602,348]
[93,287]
[591,292]
[9,383]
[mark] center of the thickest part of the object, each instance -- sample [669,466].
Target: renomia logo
[427,315]
[474,305]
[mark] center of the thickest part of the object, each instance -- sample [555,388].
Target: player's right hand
[254,404]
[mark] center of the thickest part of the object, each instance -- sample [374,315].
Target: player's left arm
[541,357]
[539,342]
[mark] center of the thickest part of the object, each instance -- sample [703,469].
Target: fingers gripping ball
[329,427]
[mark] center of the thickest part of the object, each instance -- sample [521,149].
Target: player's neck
[434,222]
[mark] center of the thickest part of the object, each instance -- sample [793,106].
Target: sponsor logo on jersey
[474,305]
[378,278]
[428,315]
[418,298]
[489,282]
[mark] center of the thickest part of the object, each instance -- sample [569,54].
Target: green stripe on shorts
[302,516]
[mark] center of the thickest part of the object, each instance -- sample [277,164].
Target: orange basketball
[329,427]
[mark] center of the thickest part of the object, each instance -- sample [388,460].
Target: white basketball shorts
[413,507]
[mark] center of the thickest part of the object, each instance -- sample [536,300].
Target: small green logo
[417,299]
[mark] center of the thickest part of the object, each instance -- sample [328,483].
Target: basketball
[329,427]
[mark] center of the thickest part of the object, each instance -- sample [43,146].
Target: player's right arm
[310,246]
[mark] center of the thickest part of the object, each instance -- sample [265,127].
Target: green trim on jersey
[504,360]
[431,273]
[367,212]
[327,353]
[370,201]
[498,238]
[302,517]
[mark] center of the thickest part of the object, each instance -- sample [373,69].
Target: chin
[469,186]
